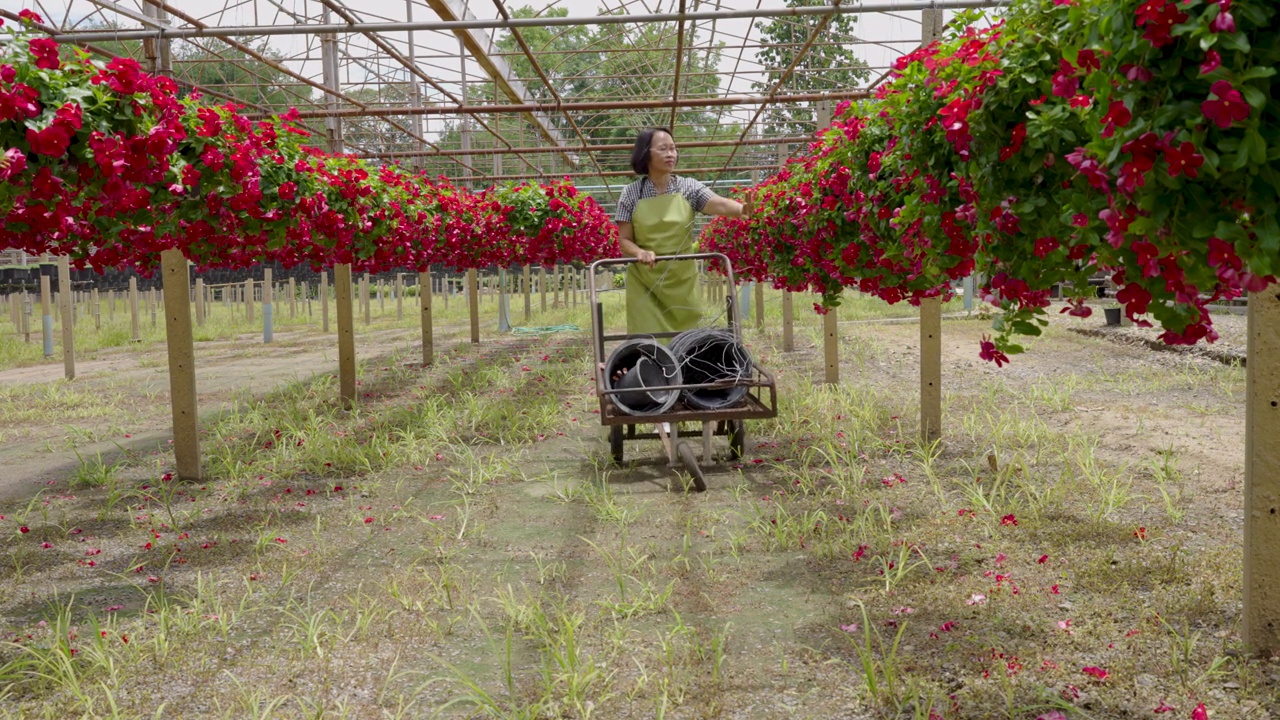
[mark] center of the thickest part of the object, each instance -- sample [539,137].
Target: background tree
[829,64]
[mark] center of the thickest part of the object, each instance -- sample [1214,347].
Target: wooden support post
[200,291]
[382,297]
[136,335]
[788,323]
[446,287]
[182,365]
[528,299]
[97,309]
[831,346]
[424,304]
[473,304]
[930,369]
[46,315]
[268,306]
[346,336]
[1261,620]
[248,300]
[542,287]
[293,298]
[399,296]
[156,299]
[68,324]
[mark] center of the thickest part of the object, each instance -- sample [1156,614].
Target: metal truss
[488,91]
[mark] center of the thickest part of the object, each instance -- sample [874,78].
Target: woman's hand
[647,257]
[749,203]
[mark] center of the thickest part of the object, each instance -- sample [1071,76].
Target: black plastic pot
[1113,315]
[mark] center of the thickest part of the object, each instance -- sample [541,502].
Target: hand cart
[729,421]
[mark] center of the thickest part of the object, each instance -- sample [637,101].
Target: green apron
[663,298]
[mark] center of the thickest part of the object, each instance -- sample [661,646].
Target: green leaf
[1253,96]
[1253,146]
[1258,71]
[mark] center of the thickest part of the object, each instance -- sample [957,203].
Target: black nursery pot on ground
[1113,315]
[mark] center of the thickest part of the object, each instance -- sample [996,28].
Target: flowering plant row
[1137,138]
[106,164]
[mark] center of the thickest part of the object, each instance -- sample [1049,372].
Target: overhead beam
[456,25]
[616,147]
[597,105]
[479,43]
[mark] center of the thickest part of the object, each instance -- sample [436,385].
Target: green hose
[545,329]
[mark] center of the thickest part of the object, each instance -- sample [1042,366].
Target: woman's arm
[627,243]
[731,208]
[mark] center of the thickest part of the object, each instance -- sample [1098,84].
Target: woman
[655,217]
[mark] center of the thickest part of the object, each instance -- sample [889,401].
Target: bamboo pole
[68,324]
[930,369]
[268,307]
[542,288]
[346,336]
[293,298]
[528,300]
[1261,617]
[759,305]
[399,296]
[364,299]
[97,309]
[133,310]
[46,316]
[788,303]
[182,365]
[200,300]
[424,304]
[26,317]
[473,304]
[248,300]
[831,346]
[324,302]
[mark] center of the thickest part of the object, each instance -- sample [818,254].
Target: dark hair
[640,153]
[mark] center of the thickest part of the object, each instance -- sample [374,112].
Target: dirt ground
[787,606]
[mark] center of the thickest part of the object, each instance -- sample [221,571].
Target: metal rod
[618,147]
[596,105]
[453,25]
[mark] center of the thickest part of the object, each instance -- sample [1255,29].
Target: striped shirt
[695,192]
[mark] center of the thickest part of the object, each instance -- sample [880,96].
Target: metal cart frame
[731,422]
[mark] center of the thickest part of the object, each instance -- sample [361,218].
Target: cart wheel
[615,443]
[691,464]
[737,438]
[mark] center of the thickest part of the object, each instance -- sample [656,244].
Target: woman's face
[662,153]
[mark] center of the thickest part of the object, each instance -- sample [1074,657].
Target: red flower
[288,190]
[30,16]
[1136,73]
[1080,101]
[1088,61]
[1224,23]
[1229,107]
[45,52]
[1096,672]
[1044,246]
[1118,115]
[1183,159]
[12,164]
[52,141]
[1163,707]
[1009,519]
[1200,713]
[1016,138]
[24,529]
[1211,62]
[1065,82]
